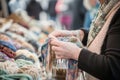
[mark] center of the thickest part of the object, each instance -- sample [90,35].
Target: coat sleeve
[107,65]
[84,41]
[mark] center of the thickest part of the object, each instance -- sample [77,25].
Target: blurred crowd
[69,14]
[26,29]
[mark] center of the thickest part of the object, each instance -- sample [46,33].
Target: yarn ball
[9,66]
[22,62]
[31,70]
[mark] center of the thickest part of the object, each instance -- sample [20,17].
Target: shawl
[100,27]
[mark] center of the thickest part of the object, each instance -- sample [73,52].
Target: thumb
[52,37]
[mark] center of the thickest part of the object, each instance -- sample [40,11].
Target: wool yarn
[3,57]
[3,72]
[28,54]
[7,51]
[16,77]
[5,37]
[9,66]
[24,58]
[8,45]
[31,70]
[22,62]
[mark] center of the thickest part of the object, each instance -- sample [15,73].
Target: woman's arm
[106,66]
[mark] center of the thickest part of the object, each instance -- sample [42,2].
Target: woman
[101,57]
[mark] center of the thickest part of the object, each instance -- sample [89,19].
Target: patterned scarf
[100,19]
[63,69]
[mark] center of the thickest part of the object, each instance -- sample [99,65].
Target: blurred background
[67,14]
[41,17]
[26,24]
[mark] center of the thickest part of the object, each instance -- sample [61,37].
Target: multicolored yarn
[9,66]
[31,70]
[28,54]
[24,57]
[64,71]
[22,62]
[3,72]
[16,77]
[8,45]
[7,51]
[3,57]
[44,52]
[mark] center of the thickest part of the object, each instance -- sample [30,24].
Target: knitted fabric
[72,73]
[68,71]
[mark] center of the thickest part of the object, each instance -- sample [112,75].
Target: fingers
[60,33]
[55,33]
[58,57]
[56,49]
[55,42]
[51,36]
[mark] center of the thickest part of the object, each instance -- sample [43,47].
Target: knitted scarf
[63,69]
[100,27]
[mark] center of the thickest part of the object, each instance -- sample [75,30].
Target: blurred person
[91,13]
[51,9]
[34,9]
[101,56]
[78,14]
[17,5]
[64,9]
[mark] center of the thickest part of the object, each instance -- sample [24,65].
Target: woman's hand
[66,33]
[65,50]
